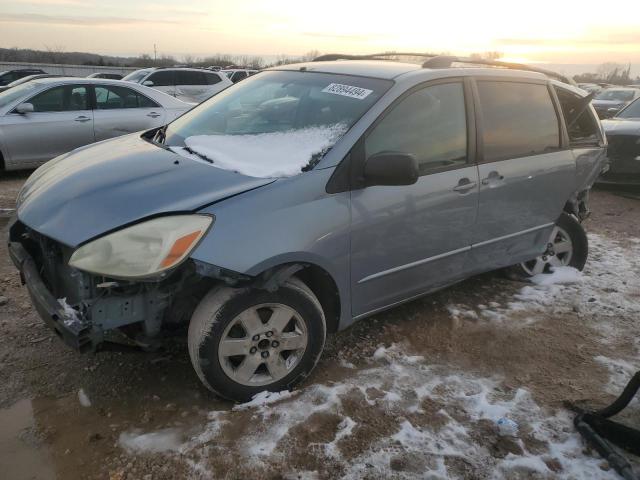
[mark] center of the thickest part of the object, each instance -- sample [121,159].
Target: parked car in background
[623,136]
[187,84]
[590,87]
[26,79]
[235,75]
[12,75]
[44,118]
[301,200]
[110,76]
[611,100]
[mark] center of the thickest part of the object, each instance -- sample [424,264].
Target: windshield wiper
[193,152]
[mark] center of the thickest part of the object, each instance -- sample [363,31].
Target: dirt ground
[410,393]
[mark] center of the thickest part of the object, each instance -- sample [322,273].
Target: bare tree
[55,53]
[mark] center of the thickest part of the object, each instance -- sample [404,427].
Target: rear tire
[567,246]
[243,341]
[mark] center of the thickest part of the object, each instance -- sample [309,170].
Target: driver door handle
[493,178]
[82,118]
[153,115]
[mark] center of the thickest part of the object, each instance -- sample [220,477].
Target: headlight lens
[142,250]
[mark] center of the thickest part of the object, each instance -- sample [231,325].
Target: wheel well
[578,205]
[326,290]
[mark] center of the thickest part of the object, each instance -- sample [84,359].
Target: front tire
[567,247]
[244,340]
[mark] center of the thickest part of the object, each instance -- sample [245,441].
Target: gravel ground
[411,393]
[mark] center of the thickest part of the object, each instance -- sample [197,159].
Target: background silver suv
[187,84]
[420,177]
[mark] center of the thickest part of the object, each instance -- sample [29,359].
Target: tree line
[612,73]
[58,54]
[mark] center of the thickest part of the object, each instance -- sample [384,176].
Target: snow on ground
[608,287]
[441,423]
[265,155]
[166,440]
[430,421]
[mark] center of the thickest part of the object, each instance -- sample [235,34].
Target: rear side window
[429,124]
[212,78]
[163,78]
[584,129]
[114,97]
[518,119]
[190,78]
[632,111]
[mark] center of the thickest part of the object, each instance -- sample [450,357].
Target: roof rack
[445,61]
[374,56]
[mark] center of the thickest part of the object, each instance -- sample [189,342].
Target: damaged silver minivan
[302,199]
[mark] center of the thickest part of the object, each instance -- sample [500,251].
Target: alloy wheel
[263,344]
[558,253]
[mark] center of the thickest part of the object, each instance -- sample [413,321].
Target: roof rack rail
[374,56]
[445,61]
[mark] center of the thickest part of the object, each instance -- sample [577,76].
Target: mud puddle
[23,454]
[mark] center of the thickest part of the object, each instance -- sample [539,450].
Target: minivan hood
[105,186]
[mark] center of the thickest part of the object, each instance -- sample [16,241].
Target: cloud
[592,38]
[37,18]
[345,36]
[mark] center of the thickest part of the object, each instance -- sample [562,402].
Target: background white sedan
[42,119]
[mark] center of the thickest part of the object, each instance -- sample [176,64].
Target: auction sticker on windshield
[347,90]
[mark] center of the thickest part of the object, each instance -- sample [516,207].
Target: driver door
[407,240]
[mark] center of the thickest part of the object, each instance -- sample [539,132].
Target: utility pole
[155,54]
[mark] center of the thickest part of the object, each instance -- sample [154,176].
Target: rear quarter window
[584,129]
[518,119]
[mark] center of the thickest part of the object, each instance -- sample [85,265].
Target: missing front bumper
[73,332]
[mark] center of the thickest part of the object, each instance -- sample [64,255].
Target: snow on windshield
[264,155]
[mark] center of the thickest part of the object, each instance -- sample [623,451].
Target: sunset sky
[548,31]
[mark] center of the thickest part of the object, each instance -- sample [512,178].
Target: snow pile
[264,398]
[560,275]
[265,155]
[166,440]
[83,398]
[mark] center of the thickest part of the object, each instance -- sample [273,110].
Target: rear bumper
[73,332]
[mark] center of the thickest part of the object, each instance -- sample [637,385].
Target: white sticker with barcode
[347,91]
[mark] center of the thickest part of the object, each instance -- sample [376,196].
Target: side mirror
[391,168]
[24,108]
[147,83]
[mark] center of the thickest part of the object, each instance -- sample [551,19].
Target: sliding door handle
[464,185]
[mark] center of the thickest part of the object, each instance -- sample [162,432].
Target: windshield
[619,95]
[632,110]
[275,118]
[9,96]
[136,76]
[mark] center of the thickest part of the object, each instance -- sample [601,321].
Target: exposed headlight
[142,250]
